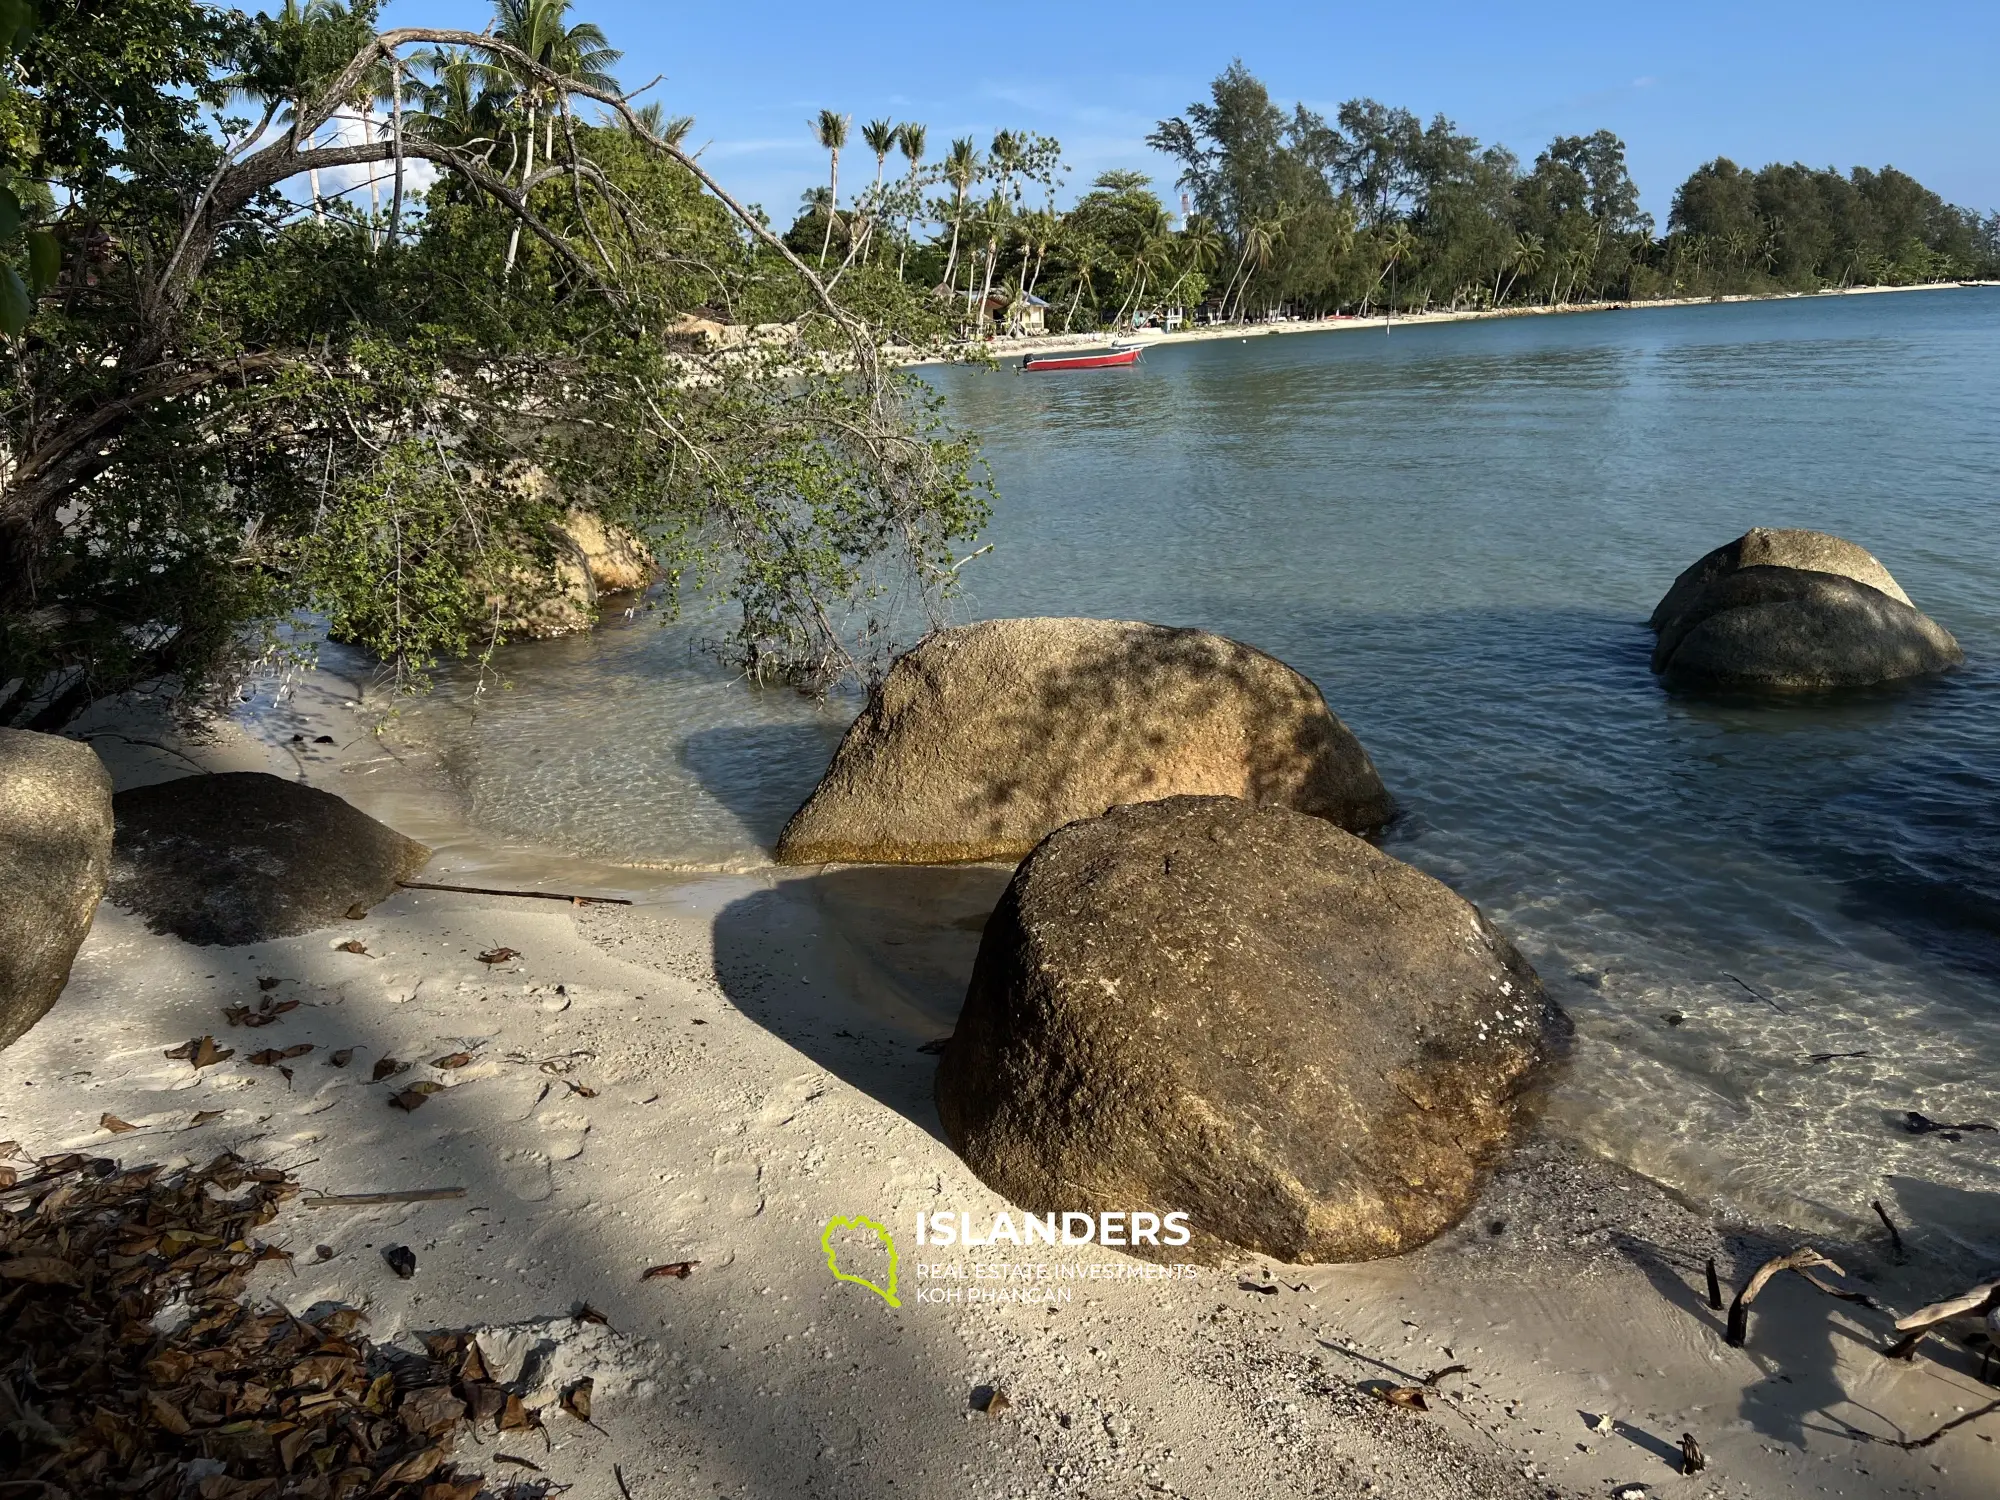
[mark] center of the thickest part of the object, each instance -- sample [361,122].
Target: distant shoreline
[1008,346]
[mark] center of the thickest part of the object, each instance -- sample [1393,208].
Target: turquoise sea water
[1457,531]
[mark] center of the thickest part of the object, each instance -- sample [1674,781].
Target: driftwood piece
[361,1200]
[1804,1258]
[1714,1286]
[1984,1298]
[1895,1236]
[1980,1299]
[482,890]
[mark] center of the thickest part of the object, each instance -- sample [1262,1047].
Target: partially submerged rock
[1248,1016]
[985,738]
[1793,611]
[55,851]
[245,857]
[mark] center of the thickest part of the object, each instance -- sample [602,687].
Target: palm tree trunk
[396,124]
[527,171]
[957,215]
[986,292]
[903,250]
[832,206]
[1076,301]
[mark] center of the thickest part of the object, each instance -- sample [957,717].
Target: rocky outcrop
[592,557]
[1248,1016]
[55,850]
[1793,611]
[986,737]
[615,560]
[244,857]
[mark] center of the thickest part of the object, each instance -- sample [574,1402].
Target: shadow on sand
[898,943]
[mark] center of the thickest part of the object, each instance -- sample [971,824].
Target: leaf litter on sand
[136,1367]
[270,1057]
[266,1012]
[202,1052]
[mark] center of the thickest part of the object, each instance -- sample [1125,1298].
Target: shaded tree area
[330,326]
[1377,208]
[1798,228]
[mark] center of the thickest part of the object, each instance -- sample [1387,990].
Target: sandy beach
[714,1072]
[1008,347]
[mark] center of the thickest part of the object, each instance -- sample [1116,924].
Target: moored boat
[1082,359]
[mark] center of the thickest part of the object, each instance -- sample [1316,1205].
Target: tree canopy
[280,377]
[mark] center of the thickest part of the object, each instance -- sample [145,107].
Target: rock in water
[1762,547]
[986,737]
[244,857]
[1793,611]
[55,850]
[1245,1015]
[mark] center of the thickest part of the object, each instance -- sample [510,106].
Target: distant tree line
[1372,210]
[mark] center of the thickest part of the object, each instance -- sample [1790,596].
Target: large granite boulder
[55,850]
[245,857]
[986,737]
[1249,1016]
[1793,611]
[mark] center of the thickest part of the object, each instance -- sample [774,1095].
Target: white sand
[752,1050]
[1008,347]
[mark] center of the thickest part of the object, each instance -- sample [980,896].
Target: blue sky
[1826,83]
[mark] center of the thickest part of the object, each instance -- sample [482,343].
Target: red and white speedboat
[1081,359]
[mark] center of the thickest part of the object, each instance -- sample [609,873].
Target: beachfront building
[1027,314]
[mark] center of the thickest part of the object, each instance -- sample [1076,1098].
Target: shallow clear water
[1458,532]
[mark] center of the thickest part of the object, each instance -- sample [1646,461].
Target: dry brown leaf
[412,1098]
[410,1470]
[454,1488]
[499,955]
[484,1400]
[168,1415]
[270,1057]
[515,1415]
[576,1399]
[42,1270]
[388,1067]
[352,945]
[678,1269]
[430,1410]
[452,1060]
[202,1052]
[113,1124]
[341,1058]
[1410,1396]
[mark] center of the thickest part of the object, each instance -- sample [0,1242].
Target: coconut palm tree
[460,106]
[1201,242]
[880,136]
[1260,243]
[1085,255]
[830,130]
[574,54]
[1398,245]
[910,141]
[961,170]
[1038,231]
[1524,258]
[288,28]
[655,121]
[993,223]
